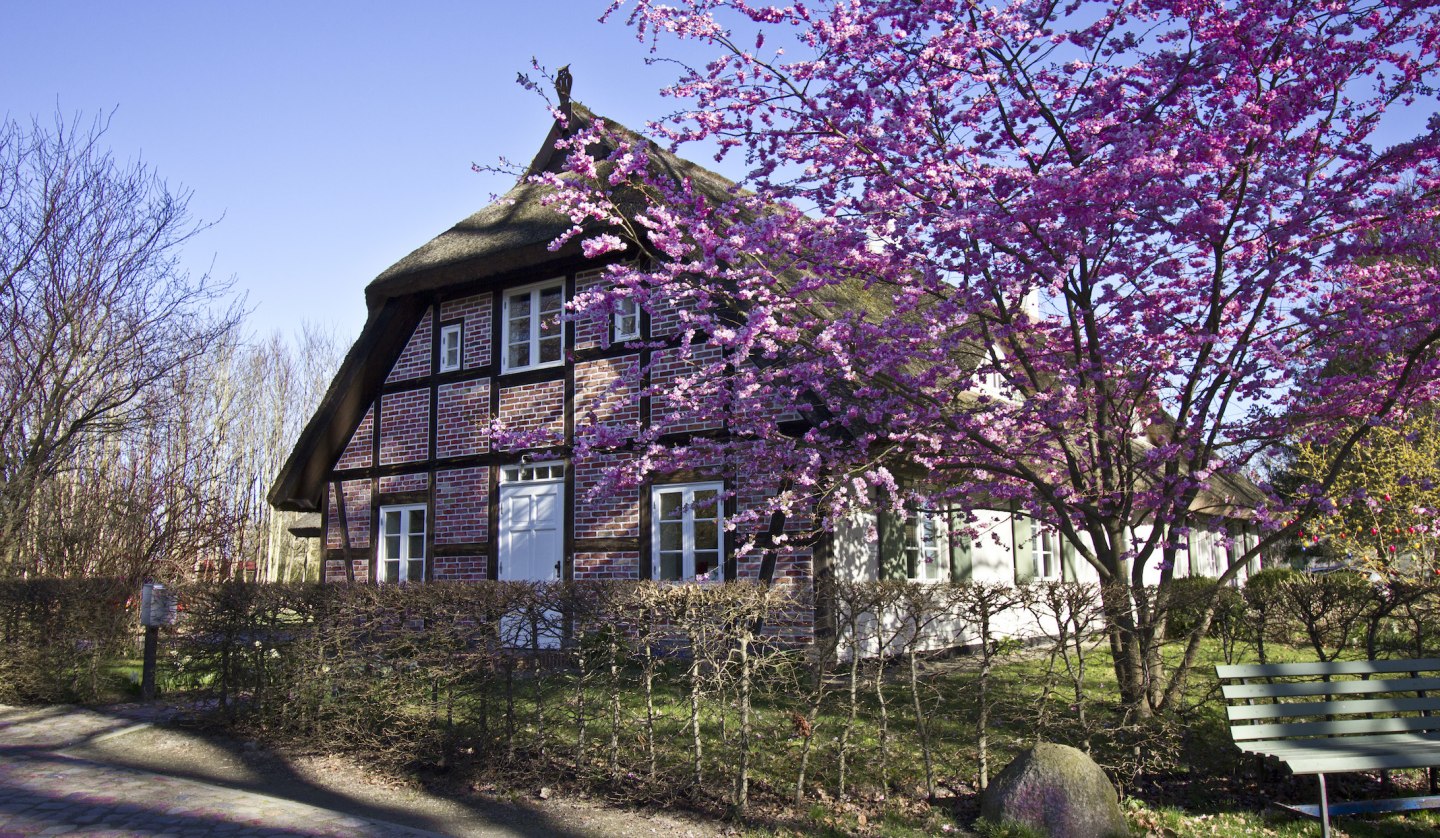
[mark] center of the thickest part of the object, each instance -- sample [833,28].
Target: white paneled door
[532,531]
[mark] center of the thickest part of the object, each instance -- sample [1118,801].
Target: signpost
[157,608]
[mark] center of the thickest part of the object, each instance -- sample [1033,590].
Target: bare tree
[181,494]
[258,397]
[97,318]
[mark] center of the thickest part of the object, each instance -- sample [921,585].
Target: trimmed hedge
[58,636]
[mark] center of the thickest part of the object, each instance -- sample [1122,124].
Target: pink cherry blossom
[1091,260]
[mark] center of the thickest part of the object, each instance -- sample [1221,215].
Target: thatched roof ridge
[516,230]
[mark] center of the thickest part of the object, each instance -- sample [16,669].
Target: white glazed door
[532,532]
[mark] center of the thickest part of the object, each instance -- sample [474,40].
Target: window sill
[531,368]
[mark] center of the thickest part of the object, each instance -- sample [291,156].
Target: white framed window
[533,472]
[924,554]
[402,543]
[450,344]
[627,319]
[687,532]
[1046,550]
[533,333]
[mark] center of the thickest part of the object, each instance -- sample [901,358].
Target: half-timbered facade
[465,347]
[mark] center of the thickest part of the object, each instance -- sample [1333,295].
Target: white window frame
[382,549]
[532,339]
[627,308]
[1045,552]
[533,472]
[452,355]
[687,517]
[927,559]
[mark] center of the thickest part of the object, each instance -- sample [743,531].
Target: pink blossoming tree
[1082,259]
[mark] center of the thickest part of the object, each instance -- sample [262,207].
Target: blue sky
[332,138]
[328,139]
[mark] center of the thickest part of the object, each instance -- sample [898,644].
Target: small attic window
[450,345]
[627,319]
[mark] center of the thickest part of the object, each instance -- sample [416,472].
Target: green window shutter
[1023,530]
[962,563]
[890,531]
[1068,557]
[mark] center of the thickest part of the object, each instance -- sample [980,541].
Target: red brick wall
[793,562]
[475,312]
[335,569]
[613,514]
[462,504]
[664,319]
[404,427]
[404,483]
[665,367]
[599,395]
[460,568]
[616,565]
[357,515]
[357,453]
[414,361]
[588,330]
[539,406]
[463,419]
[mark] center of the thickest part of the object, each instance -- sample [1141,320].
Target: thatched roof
[516,230]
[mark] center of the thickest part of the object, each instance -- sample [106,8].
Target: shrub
[1189,598]
[57,637]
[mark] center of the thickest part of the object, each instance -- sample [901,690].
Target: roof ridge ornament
[563,82]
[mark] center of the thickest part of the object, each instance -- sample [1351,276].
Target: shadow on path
[102,742]
[98,797]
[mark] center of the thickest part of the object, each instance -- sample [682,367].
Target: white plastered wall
[992,559]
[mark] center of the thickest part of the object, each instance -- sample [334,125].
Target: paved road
[44,792]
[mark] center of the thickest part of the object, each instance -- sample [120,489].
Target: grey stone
[1058,791]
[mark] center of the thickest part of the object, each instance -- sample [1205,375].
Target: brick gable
[414,361]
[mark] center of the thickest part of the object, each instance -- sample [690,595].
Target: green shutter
[890,530]
[1068,557]
[962,564]
[1023,530]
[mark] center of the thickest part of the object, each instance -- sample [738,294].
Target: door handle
[557,570]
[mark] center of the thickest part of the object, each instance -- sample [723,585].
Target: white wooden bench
[1324,718]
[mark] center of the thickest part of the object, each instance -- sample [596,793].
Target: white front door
[532,530]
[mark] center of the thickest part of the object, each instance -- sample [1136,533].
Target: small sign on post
[157,608]
[157,605]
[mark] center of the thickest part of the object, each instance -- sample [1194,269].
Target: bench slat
[1291,709]
[1341,746]
[1347,727]
[1288,670]
[1299,688]
[1353,753]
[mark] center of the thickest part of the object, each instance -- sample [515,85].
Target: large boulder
[1058,791]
